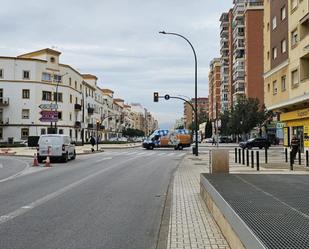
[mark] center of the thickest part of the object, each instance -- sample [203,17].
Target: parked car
[224,139]
[208,140]
[255,142]
[56,146]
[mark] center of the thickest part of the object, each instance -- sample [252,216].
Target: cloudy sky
[118,41]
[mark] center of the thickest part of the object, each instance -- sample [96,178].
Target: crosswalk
[141,153]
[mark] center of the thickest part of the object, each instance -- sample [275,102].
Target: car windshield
[251,139]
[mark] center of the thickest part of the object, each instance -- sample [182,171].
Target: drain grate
[275,207]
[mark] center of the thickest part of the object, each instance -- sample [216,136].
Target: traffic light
[155,97]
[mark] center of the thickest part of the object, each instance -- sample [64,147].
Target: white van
[56,146]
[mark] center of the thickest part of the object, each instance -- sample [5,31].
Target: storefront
[296,123]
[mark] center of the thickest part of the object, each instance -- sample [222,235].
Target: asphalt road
[10,167]
[111,200]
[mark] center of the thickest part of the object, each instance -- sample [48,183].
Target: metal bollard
[235,155]
[247,158]
[266,156]
[252,159]
[257,160]
[286,154]
[307,158]
[239,156]
[291,161]
[299,157]
[243,156]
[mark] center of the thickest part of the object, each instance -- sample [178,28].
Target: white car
[55,146]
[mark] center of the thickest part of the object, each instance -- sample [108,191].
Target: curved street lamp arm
[185,101]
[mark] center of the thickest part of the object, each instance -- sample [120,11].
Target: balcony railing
[90,126]
[77,124]
[4,101]
[4,121]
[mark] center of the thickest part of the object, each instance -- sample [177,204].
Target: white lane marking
[140,154]
[19,173]
[162,154]
[28,207]
[171,154]
[103,159]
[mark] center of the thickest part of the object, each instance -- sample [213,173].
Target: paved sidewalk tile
[191,225]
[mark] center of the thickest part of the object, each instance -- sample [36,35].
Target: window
[274,53]
[24,133]
[70,81]
[274,22]
[1,73]
[1,133]
[294,37]
[52,59]
[267,55]
[59,99]
[46,77]
[46,96]
[268,87]
[76,100]
[295,77]
[26,75]
[60,131]
[70,116]
[75,85]
[71,133]
[25,113]
[283,13]
[275,87]
[57,78]
[71,97]
[268,26]
[283,46]
[43,131]
[26,94]
[283,83]
[60,115]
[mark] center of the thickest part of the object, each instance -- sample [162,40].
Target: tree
[208,129]
[132,132]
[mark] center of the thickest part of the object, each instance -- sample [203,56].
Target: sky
[118,41]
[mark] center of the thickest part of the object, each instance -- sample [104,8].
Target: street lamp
[56,109]
[195,113]
[83,118]
[98,125]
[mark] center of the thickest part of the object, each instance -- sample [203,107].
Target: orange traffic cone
[35,160]
[47,162]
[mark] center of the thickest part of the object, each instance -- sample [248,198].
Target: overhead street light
[195,111]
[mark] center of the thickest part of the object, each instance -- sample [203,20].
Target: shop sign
[304,113]
[286,136]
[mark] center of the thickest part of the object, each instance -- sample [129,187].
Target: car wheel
[180,147]
[249,147]
[175,148]
[65,158]
[150,147]
[74,155]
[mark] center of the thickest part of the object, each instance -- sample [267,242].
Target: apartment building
[40,95]
[225,61]
[287,80]
[214,80]
[202,110]
[247,41]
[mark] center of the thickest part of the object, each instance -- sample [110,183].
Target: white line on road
[103,159]
[26,208]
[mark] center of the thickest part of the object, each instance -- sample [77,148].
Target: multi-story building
[202,111]
[287,80]
[214,80]
[39,95]
[247,42]
[225,53]
[276,58]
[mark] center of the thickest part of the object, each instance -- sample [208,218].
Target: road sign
[49,116]
[167,97]
[48,106]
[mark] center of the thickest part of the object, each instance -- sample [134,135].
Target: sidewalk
[86,149]
[191,225]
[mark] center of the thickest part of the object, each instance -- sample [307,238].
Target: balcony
[4,121]
[77,124]
[254,5]
[90,110]
[90,126]
[4,101]
[77,107]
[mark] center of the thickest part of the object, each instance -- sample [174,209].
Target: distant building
[202,110]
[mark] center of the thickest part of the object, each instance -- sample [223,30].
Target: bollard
[291,161]
[307,158]
[235,155]
[257,160]
[299,157]
[247,158]
[252,159]
[239,156]
[286,154]
[243,156]
[266,156]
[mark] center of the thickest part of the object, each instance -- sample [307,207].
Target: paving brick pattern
[191,225]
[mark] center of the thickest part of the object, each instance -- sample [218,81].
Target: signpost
[48,106]
[49,116]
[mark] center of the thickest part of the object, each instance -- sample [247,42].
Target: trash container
[193,150]
[10,140]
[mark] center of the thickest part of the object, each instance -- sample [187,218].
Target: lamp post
[56,109]
[195,113]
[98,124]
[83,118]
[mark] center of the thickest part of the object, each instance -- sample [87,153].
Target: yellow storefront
[296,123]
